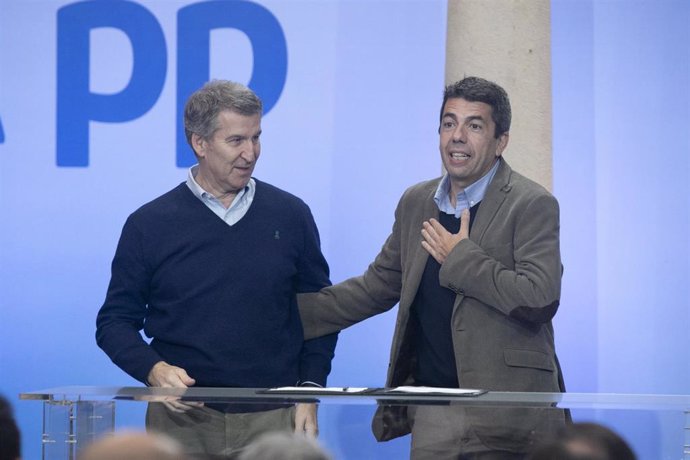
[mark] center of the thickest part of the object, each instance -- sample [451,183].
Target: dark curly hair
[475,89]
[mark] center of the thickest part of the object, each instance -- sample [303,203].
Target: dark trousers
[457,432]
[209,434]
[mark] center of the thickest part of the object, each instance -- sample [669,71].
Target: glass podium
[74,416]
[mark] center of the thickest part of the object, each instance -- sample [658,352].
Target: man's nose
[249,151]
[459,135]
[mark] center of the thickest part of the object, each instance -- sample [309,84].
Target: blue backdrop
[89,130]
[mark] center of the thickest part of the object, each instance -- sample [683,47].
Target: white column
[509,42]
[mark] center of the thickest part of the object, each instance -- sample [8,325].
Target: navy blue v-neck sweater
[432,311]
[218,300]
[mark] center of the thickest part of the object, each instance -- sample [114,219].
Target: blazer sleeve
[336,307]
[521,277]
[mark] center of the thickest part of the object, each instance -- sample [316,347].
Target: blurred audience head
[284,446]
[133,446]
[10,439]
[584,441]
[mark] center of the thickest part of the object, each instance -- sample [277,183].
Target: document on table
[318,390]
[402,390]
[434,391]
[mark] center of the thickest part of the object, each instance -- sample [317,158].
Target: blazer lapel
[493,199]
[418,255]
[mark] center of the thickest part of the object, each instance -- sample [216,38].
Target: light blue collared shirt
[237,209]
[472,194]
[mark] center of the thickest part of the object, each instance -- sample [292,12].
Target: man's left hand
[305,420]
[439,242]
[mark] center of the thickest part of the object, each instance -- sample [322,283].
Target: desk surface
[251,395]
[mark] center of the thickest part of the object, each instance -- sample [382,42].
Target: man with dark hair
[584,441]
[10,438]
[210,271]
[474,262]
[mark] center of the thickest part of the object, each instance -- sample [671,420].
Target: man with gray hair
[133,446]
[210,271]
[284,446]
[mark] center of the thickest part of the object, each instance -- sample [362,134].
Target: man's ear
[199,145]
[502,143]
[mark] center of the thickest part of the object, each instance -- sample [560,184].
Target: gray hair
[284,446]
[204,105]
[133,446]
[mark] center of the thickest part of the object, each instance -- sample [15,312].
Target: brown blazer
[507,277]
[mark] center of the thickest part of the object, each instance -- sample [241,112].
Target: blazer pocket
[528,358]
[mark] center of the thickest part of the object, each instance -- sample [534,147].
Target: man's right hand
[164,375]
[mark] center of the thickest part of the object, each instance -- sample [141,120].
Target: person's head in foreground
[585,441]
[284,446]
[133,446]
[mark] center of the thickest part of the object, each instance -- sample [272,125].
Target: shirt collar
[203,195]
[469,197]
